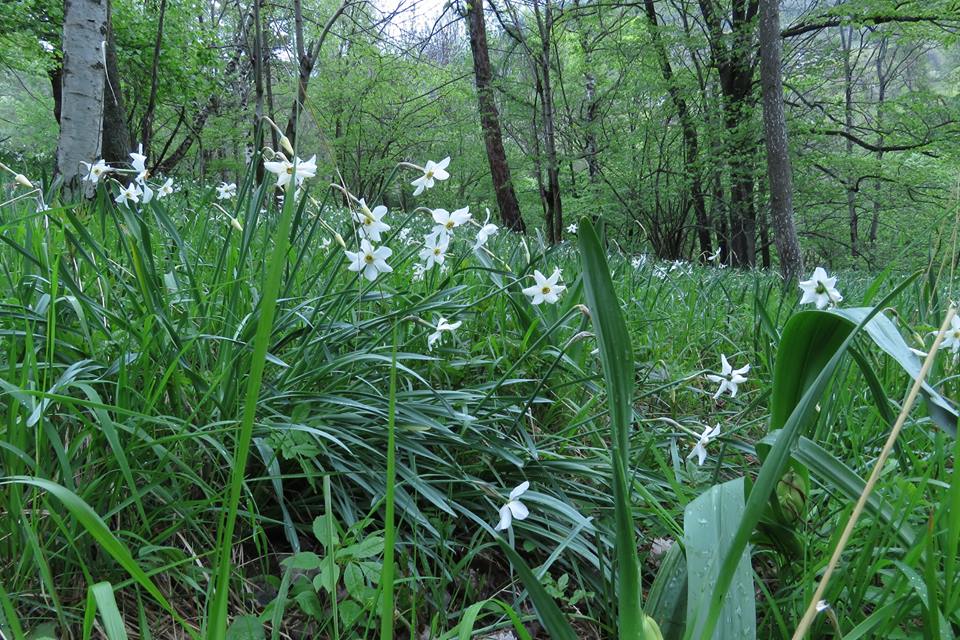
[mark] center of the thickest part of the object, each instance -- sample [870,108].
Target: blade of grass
[217,628]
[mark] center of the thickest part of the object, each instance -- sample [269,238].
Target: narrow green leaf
[616,356]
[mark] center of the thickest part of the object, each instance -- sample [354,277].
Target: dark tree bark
[258,84]
[507,203]
[552,191]
[146,127]
[690,138]
[775,134]
[307,57]
[116,135]
[56,87]
[732,53]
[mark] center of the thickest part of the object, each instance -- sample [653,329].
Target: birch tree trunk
[775,135]
[81,115]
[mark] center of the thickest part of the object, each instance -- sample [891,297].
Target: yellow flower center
[450,224]
[368,258]
[290,170]
[429,174]
[367,220]
[545,290]
[436,251]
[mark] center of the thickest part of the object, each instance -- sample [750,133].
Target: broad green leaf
[667,598]
[838,477]
[246,628]
[709,524]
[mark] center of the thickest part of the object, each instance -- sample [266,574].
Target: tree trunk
[846,40]
[146,128]
[81,116]
[554,203]
[690,139]
[116,135]
[507,202]
[775,135]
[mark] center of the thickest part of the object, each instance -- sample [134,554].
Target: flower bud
[236,224]
[285,143]
[339,239]
[22,180]
[651,630]
[792,496]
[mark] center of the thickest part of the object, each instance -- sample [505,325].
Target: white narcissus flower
[226,191]
[131,193]
[820,289]
[325,243]
[298,169]
[638,262]
[434,249]
[952,339]
[371,222]
[573,228]
[715,256]
[442,325]
[514,509]
[433,171]
[139,163]
[165,189]
[96,170]
[447,221]
[147,192]
[546,289]
[700,449]
[486,231]
[369,260]
[729,377]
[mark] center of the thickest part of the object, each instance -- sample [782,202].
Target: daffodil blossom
[514,509]
[700,449]
[434,249]
[96,170]
[139,164]
[226,191]
[447,221]
[715,256]
[820,289]
[546,289]
[572,228]
[371,222]
[370,261]
[165,189]
[147,192]
[298,169]
[487,230]
[952,339]
[130,193]
[442,325]
[638,262]
[433,171]
[729,377]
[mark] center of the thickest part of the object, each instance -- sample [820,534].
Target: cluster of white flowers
[139,190]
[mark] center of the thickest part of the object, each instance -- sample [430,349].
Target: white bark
[81,118]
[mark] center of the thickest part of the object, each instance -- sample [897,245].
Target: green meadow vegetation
[505,320]
[167,373]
